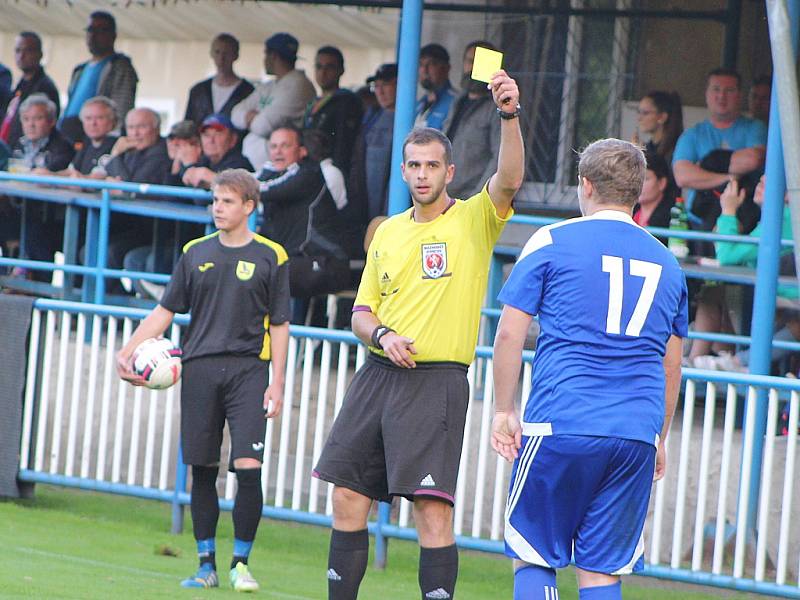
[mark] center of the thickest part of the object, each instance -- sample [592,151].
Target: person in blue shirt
[612,308]
[741,139]
[434,77]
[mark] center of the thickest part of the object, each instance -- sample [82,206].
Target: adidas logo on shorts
[429,482]
[438,594]
[334,576]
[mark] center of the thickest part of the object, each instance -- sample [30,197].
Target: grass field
[68,544]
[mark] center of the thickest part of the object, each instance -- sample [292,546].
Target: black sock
[438,571]
[205,507]
[347,562]
[246,510]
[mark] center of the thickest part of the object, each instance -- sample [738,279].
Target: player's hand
[506,434]
[125,369]
[731,198]
[504,91]
[661,462]
[399,349]
[273,400]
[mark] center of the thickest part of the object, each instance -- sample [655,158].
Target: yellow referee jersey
[427,281]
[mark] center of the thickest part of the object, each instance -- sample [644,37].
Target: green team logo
[245,270]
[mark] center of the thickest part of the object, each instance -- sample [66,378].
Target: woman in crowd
[661,119]
[657,197]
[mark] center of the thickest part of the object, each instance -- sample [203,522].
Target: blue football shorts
[583,496]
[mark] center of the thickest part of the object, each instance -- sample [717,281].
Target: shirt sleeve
[680,325]
[686,148]
[368,297]
[240,111]
[524,288]
[289,98]
[757,134]
[734,253]
[177,296]
[486,222]
[279,294]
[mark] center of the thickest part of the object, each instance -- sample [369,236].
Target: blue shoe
[206,577]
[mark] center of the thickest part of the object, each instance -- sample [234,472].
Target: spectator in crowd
[318,146]
[759,97]
[5,87]
[336,112]
[28,56]
[300,214]
[141,155]
[369,175]
[724,145]
[218,142]
[223,91]
[660,118]
[5,154]
[713,314]
[108,73]
[275,102]
[183,149]
[474,130]
[369,103]
[99,119]
[434,74]
[41,146]
[657,197]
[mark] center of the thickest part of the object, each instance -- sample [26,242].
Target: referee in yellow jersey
[401,425]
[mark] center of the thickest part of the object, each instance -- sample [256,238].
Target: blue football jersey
[609,296]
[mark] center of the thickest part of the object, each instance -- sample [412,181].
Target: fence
[85,428]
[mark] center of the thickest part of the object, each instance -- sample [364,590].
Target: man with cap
[434,73]
[369,176]
[275,102]
[218,141]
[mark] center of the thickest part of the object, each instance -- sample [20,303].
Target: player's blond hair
[616,169]
[239,181]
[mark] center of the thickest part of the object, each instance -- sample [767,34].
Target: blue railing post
[381,541]
[405,106]
[102,247]
[181,472]
[765,291]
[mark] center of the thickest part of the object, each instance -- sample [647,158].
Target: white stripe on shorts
[522,472]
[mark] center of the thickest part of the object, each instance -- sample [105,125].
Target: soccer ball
[158,362]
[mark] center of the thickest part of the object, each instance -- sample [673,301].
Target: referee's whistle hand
[399,349]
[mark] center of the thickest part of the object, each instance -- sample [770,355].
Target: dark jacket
[340,117]
[40,83]
[150,165]
[89,156]
[661,215]
[233,159]
[201,104]
[299,212]
[55,155]
[118,81]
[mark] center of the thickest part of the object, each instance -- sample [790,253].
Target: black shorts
[216,388]
[399,431]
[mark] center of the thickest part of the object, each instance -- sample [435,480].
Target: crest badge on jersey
[434,260]
[245,270]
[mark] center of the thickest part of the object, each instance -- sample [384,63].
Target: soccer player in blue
[612,310]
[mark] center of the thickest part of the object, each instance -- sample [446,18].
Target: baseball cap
[216,121]
[284,44]
[385,72]
[183,130]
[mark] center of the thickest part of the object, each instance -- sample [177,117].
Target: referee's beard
[433,194]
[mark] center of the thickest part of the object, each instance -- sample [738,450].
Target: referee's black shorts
[219,388]
[399,431]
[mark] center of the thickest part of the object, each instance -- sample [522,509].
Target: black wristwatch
[508,116]
[378,333]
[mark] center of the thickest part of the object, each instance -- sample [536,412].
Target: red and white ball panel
[158,362]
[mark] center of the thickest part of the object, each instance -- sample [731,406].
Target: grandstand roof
[202,19]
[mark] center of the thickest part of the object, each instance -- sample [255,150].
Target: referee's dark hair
[420,136]
[616,169]
[240,181]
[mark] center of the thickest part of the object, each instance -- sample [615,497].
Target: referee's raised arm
[505,183]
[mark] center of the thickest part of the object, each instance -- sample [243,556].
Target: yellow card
[487,63]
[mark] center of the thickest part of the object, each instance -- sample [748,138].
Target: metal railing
[84,427]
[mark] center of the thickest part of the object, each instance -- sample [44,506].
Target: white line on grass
[132,570]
